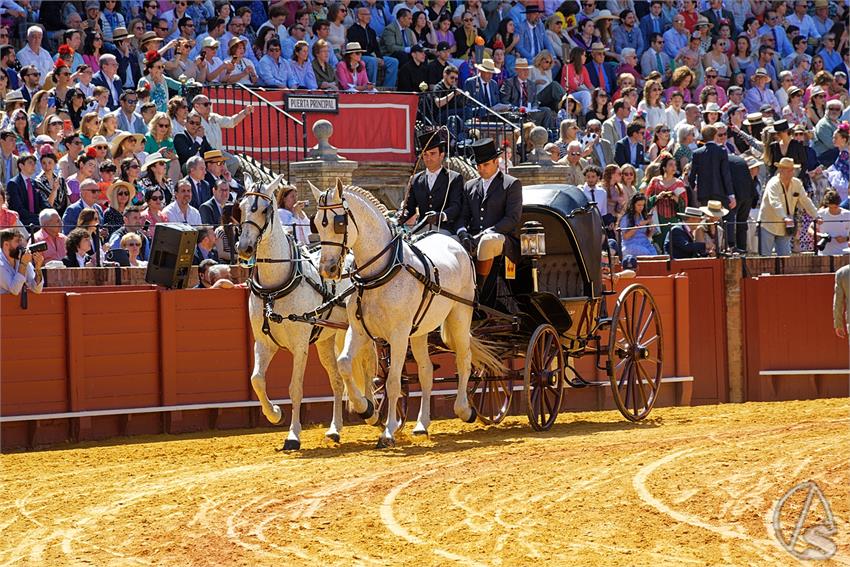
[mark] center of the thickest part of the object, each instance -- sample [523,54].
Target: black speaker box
[171,255]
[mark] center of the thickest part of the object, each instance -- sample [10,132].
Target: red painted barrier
[99,352]
[707,327]
[790,339]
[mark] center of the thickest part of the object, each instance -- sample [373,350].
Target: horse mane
[369,197]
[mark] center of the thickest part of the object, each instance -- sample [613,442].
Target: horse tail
[485,356]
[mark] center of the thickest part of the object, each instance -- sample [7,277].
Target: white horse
[285,282]
[393,304]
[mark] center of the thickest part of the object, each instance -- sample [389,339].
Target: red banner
[368,127]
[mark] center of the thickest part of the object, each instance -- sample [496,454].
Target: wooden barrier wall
[112,349]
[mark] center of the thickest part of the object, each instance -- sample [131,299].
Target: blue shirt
[72,213]
[302,76]
[274,74]
[831,60]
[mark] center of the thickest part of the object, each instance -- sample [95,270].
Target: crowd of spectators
[658,110]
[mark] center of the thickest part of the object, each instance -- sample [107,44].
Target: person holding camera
[833,226]
[782,195]
[19,265]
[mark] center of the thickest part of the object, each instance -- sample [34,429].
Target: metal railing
[282,138]
[468,119]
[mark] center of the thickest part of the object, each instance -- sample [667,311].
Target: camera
[823,240]
[32,249]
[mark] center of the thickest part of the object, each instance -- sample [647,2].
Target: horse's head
[255,214]
[336,233]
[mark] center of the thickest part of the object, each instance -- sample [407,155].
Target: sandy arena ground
[691,486]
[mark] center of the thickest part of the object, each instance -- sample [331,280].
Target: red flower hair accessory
[498,44]
[151,56]
[66,49]
[91,152]
[59,64]
[844,127]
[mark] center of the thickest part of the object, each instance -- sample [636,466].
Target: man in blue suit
[483,88]
[653,22]
[88,199]
[602,74]
[24,196]
[532,35]
[108,78]
[630,148]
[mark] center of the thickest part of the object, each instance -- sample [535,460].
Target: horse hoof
[420,432]
[472,416]
[370,411]
[333,437]
[277,416]
[385,443]
[291,445]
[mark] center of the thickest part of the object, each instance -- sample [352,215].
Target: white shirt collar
[489,180]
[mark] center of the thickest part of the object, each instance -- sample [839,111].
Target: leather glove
[467,242]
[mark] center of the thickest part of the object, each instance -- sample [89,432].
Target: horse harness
[270,295]
[430,280]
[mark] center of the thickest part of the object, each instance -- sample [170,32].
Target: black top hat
[430,140]
[780,126]
[485,150]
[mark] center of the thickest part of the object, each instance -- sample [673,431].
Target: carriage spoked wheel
[544,377]
[491,397]
[634,352]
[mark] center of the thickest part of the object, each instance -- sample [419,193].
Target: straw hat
[119,138]
[98,141]
[112,190]
[761,72]
[152,159]
[753,162]
[702,21]
[214,155]
[234,41]
[120,33]
[352,47]
[754,119]
[691,212]
[715,209]
[209,42]
[605,15]
[786,163]
[597,47]
[14,96]
[149,37]
[488,66]
[521,64]
[712,107]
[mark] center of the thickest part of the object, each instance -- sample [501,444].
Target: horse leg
[458,329]
[355,341]
[419,346]
[327,356]
[296,394]
[262,358]
[398,354]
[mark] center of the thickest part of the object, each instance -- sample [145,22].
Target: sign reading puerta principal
[328,104]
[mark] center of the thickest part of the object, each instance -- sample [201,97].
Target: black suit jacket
[680,244]
[198,258]
[710,177]
[201,191]
[623,153]
[424,199]
[366,37]
[71,262]
[500,210]
[742,181]
[210,213]
[186,147]
[18,201]
[100,80]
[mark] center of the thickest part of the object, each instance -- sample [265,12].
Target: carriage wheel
[634,352]
[544,377]
[379,393]
[491,397]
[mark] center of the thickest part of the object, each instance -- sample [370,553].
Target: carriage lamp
[533,243]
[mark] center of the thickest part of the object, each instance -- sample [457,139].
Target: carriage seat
[559,274]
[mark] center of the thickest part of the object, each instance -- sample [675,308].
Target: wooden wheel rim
[544,377]
[635,352]
[491,397]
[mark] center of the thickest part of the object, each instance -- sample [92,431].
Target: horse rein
[262,229]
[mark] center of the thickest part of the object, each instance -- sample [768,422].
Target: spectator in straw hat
[242,70]
[519,92]
[601,73]
[782,195]
[482,87]
[759,94]
[680,243]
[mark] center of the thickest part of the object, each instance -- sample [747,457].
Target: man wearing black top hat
[435,189]
[491,210]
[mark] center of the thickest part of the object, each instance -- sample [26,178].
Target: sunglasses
[163,126]
[101,147]
[156,198]
[93,190]
[123,193]
[194,122]
[135,166]
[203,103]
[711,76]
[132,245]
[162,29]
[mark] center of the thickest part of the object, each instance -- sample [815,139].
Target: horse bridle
[340,222]
[254,207]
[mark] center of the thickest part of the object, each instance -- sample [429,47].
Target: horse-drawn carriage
[531,328]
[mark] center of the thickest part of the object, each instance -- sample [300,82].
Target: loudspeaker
[171,255]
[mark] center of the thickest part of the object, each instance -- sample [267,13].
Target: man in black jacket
[362,33]
[743,173]
[491,210]
[414,72]
[436,67]
[680,243]
[192,142]
[435,189]
[710,178]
